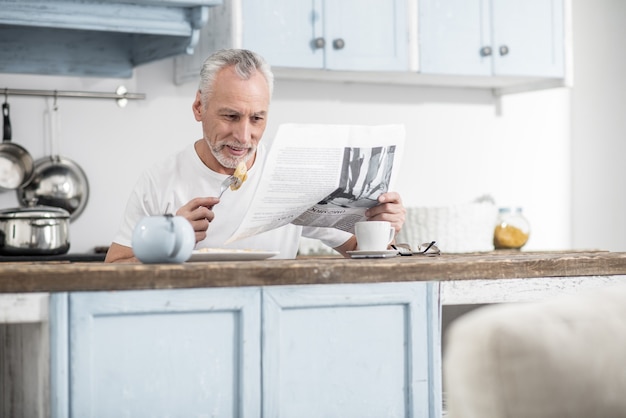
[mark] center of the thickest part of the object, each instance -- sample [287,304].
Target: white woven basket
[457,229]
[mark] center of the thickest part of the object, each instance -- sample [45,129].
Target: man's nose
[243,131]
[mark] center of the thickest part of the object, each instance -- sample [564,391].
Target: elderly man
[232,103]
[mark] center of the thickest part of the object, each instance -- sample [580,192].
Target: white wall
[599,125]
[461,143]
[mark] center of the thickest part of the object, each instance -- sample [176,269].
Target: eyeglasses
[427,248]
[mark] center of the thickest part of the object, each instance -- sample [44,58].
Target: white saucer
[373,254]
[223,254]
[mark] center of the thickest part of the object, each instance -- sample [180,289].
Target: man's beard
[230,162]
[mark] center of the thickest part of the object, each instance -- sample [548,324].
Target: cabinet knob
[485,51]
[504,50]
[319,43]
[338,43]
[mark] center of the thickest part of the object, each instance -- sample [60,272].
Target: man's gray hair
[245,62]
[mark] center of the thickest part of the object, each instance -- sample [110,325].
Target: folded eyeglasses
[427,248]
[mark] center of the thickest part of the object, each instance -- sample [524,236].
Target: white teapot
[163,239]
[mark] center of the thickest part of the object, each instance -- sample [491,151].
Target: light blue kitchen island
[362,350]
[316,337]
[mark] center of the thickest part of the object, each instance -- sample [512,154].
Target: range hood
[97,38]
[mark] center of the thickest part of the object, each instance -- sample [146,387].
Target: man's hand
[200,214]
[389,209]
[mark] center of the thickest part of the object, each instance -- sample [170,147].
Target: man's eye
[231,117]
[257,118]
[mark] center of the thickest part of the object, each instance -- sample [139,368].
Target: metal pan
[57,181]
[16,164]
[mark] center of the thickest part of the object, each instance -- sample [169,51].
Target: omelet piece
[240,174]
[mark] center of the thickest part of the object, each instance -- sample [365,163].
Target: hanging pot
[57,181]
[35,230]
[16,164]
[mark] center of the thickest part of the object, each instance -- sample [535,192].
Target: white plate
[373,254]
[222,254]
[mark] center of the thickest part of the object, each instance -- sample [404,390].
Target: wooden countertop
[64,276]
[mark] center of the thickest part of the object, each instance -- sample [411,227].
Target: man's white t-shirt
[172,183]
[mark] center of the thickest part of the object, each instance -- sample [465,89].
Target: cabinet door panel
[532,32]
[165,353]
[374,35]
[451,35]
[283,31]
[351,350]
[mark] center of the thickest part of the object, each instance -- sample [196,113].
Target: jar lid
[516,209]
[34,212]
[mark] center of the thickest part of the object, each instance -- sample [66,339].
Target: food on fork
[240,175]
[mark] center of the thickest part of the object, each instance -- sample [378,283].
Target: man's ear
[197,107]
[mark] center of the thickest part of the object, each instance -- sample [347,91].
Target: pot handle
[42,223]
[6,132]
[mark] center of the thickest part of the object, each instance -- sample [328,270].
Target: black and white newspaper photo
[324,175]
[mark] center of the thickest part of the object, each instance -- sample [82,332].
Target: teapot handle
[178,236]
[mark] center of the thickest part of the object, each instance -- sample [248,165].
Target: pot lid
[57,182]
[34,212]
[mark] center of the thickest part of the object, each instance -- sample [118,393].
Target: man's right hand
[199,213]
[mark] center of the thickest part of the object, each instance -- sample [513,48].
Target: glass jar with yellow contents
[512,230]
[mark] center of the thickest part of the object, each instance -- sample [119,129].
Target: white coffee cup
[373,235]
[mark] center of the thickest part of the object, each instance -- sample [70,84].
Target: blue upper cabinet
[505,45]
[351,35]
[359,35]
[285,32]
[492,37]
[96,37]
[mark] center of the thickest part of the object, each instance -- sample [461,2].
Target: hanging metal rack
[121,95]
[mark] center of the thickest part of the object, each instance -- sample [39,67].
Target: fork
[226,184]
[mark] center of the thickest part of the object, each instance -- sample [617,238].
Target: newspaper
[323,176]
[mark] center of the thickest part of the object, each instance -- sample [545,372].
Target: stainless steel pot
[34,230]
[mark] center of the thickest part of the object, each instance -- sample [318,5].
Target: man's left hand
[390,209]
